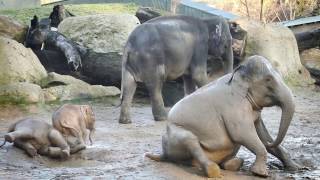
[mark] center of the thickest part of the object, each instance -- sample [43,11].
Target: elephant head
[265,88]
[89,120]
[220,42]
[37,33]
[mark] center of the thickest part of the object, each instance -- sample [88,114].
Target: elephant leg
[189,86]
[233,164]
[250,139]
[280,152]
[158,110]
[27,146]
[180,144]
[57,139]
[12,136]
[53,152]
[199,76]
[128,86]
[75,144]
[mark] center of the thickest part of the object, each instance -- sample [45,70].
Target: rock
[311,60]
[278,44]
[101,33]
[64,87]
[12,29]
[102,68]
[21,93]
[19,64]
[105,36]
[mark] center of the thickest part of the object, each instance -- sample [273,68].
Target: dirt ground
[118,151]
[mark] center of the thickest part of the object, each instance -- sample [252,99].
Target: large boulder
[21,93]
[19,64]
[12,29]
[63,87]
[101,33]
[278,44]
[105,36]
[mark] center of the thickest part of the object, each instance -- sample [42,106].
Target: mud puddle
[118,150]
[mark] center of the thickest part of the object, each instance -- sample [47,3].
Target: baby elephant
[37,137]
[210,125]
[73,121]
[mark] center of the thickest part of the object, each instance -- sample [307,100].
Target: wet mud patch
[118,149]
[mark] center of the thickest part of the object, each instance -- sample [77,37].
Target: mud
[118,150]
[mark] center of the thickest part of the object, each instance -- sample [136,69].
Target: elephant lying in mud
[165,48]
[73,121]
[210,125]
[37,137]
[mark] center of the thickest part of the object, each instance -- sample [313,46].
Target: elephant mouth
[255,106]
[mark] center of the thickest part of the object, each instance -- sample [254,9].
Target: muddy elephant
[73,121]
[165,48]
[58,14]
[210,125]
[40,36]
[37,137]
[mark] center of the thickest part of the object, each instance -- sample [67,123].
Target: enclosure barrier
[186,7]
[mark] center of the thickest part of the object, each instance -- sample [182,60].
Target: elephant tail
[4,142]
[156,157]
[125,58]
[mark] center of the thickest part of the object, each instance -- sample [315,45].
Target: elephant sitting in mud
[73,121]
[37,137]
[165,48]
[210,125]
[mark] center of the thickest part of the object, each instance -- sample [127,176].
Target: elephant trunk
[228,60]
[288,108]
[91,135]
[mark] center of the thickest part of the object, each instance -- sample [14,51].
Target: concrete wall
[43,2]
[19,4]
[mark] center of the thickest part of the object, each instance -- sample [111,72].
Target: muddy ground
[118,151]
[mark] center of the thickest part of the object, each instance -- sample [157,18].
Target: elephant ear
[70,125]
[240,67]
[216,37]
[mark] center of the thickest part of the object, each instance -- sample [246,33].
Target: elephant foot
[65,154]
[233,164]
[160,118]
[9,138]
[124,120]
[212,170]
[259,169]
[31,152]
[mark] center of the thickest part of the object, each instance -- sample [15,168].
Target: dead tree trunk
[307,40]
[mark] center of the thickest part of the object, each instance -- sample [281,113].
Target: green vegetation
[25,15]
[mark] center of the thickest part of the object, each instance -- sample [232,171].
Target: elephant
[209,125]
[40,34]
[58,14]
[37,137]
[167,47]
[73,121]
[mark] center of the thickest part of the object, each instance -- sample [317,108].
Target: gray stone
[19,64]
[21,93]
[63,87]
[102,33]
[12,29]
[278,44]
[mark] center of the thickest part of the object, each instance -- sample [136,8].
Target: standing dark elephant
[166,48]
